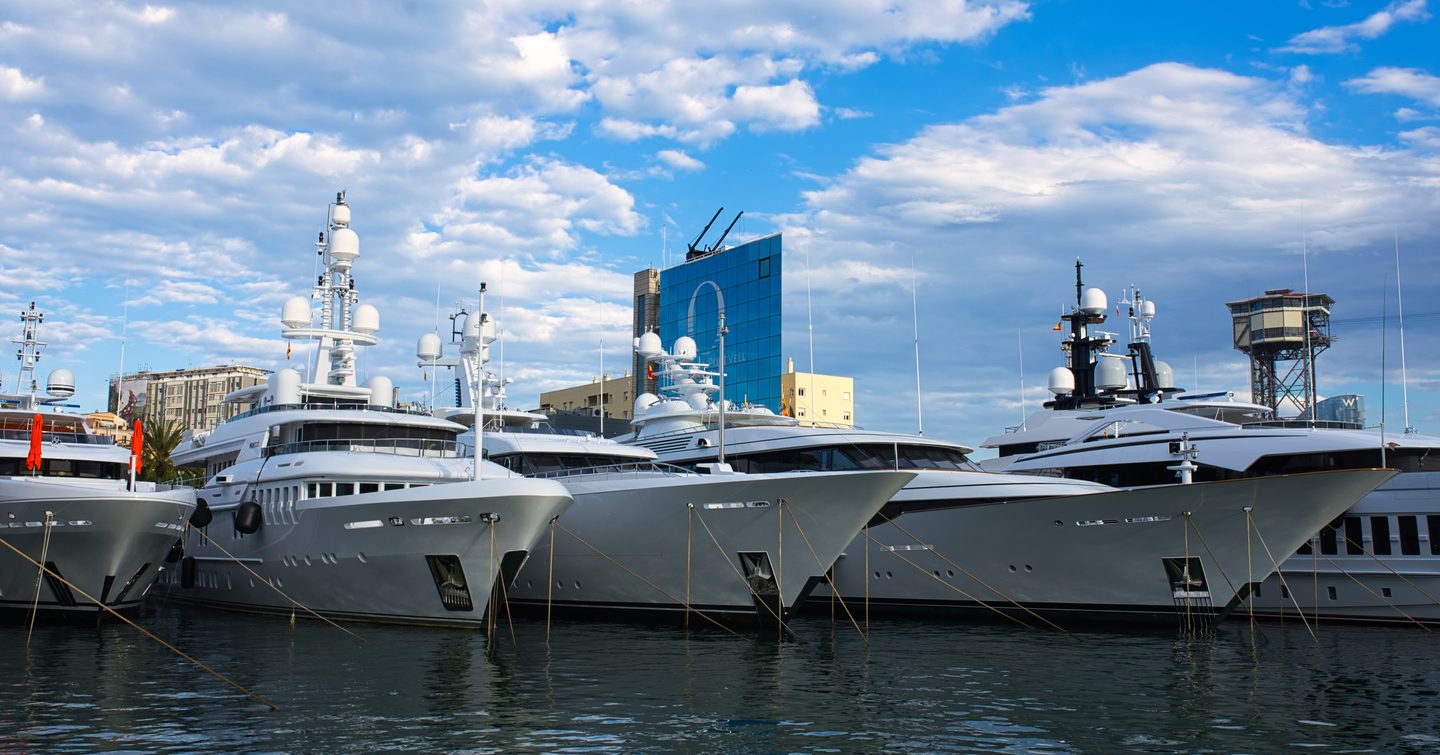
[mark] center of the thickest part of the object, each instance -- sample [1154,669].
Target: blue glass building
[748,276]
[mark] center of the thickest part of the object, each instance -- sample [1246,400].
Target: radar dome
[684,347]
[296,312]
[470,330]
[1110,374]
[1164,375]
[344,245]
[340,215]
[365,319]
[645,401]
[429,348]
[1093,302]
[382,391]
[60,384]
[648,345]
[1062,381]
[284,386]
[1147,310]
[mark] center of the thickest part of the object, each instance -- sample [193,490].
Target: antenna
[1400,305]
[810,328]
[1305,320]
[721,240]
[602,386]
[500,325]
[1020,346]
[693,252]
[915,316]
[1384,300]
[124,334]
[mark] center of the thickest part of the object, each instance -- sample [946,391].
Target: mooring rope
[550,581]
[689,524]
[1368,589]
[972,576]
[490,582]
[1189,520]
[40,574]
[780,568]
[1285,586]
[632,573]
[957,589]
[758,600]
[1394,573]
[139,628]
[272,586]
[834,592]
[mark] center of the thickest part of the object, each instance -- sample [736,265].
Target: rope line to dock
[971,575]
[550,580]
[139,628]
[1189,520]
[272,586]
[1283,584]
[825,572]
[1370,590]
[1388,568]
[632,573]
[750,588]
[955,588]
[40,575]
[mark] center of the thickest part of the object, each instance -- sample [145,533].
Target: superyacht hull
[743,546]
[1381,566]
[1180,552]
[428,555]
[107,542]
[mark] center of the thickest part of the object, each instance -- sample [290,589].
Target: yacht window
[1380,535]
[1354,537]
[1328,541]
[1432,525]
[394,486]
[344,488]
[539,463]
[1409,536]
[369,487]
[312,490]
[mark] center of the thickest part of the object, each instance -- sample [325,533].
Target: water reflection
[624,687]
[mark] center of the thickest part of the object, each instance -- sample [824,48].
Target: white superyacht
[960,540]
[328,496]
[1379,562]
[68,499]
[647,539]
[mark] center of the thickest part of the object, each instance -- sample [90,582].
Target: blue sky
[185,152]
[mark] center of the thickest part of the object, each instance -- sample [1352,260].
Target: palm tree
[161,438]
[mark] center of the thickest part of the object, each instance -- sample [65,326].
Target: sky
[164,169]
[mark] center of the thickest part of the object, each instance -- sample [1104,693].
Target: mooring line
[632,573]
[1191,522]
[955,588]
[748,587]
[825,572]
[1368,589]
[271,585]
[139,628]
[1283,584]
[1388,568]
[40,574]
[550,580]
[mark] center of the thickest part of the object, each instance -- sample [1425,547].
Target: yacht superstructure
[328,496]
[646,538]
[69,500]
[1118,419]
[962,540]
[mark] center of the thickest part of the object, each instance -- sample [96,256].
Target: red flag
[649,370]
[1057,326]
[137,445]
[37,432]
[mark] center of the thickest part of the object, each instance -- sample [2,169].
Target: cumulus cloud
[15,86]
[1409,82]
[677,159]
[1336,39]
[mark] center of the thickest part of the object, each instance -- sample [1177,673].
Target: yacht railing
[418,447]
[337,407]
[711,424]
[619,469]
[1303,424]
[49,437]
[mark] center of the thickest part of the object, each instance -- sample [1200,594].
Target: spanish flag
[1057,326]
[785,410]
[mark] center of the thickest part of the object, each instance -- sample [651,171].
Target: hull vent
[61,590]
[131,582]
[450,582]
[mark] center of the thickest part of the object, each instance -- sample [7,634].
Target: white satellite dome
[1147,310]
[344,245]
[1164,375]
[1110,374]
[382,391]
[365,319]
[60,384]
[1093,302]
[284,386]
[1062,381]
[429,348]
[295,313]
[644,401]
[684,348]
[648,345]
[340,215]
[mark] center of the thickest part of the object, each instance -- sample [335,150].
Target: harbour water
[919,686]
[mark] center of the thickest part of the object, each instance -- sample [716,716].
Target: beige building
[611,393]
[110,425]
[189,398]
[817,399]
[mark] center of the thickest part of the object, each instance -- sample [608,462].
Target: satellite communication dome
[1110,374]
[61,384]
[471,329]
[285,386]
[684,347]
[645,401]
[296,312]
[1093,302]
[382,391]
[1062,381]
[1164,375]
[648,345]
[365,319]
[429,348]
[340,215]
[1147,310]
[344,245]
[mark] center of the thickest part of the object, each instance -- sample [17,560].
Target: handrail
[418,447]
[1301,424]
[710,424]
[337,407]
[616,468]
[56,437]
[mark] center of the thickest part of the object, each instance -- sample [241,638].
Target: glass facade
[748,276]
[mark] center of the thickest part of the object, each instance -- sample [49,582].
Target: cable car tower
[1282,332]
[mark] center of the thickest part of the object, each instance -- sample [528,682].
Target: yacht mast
[1400,305]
